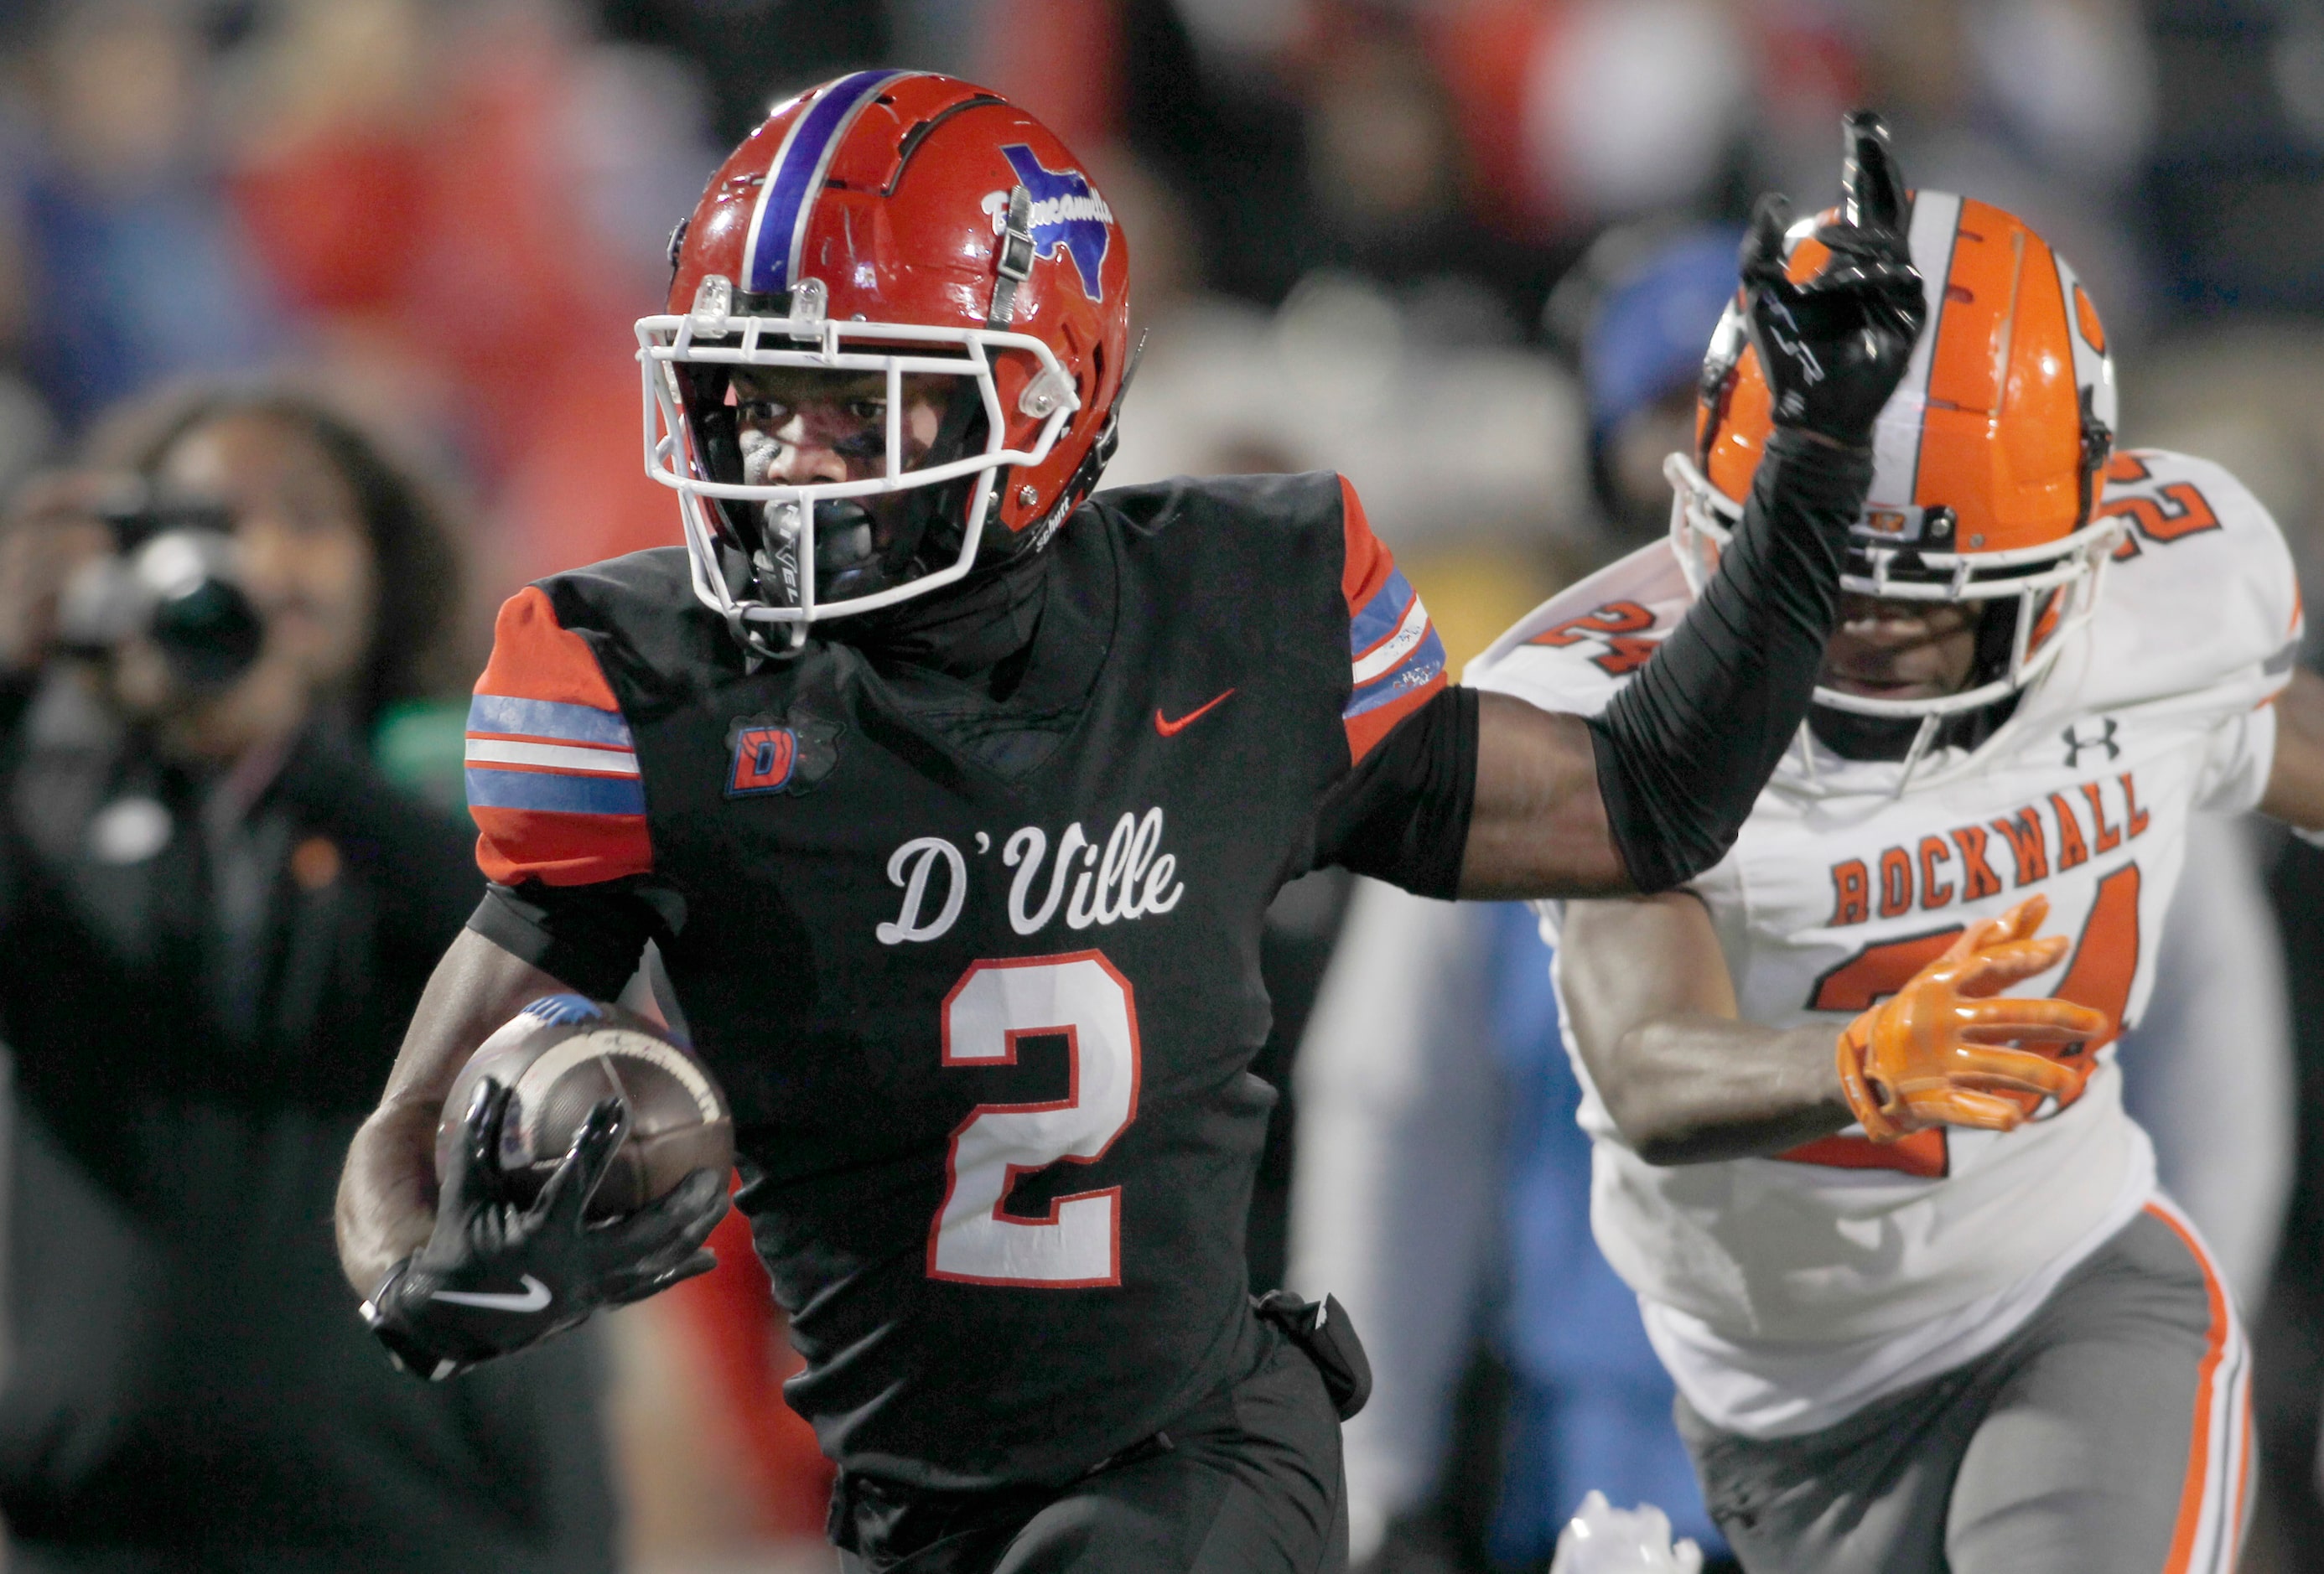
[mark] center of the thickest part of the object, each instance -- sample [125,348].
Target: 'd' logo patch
[1065,214]
[772,754]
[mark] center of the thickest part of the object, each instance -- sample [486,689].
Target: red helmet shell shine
[892,189]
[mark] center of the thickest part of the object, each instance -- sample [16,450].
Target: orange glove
[1933,1053]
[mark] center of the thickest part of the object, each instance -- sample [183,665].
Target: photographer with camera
[217,915]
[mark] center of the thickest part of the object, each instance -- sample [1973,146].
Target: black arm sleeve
[1402,814]
[587,938]
[1683,749]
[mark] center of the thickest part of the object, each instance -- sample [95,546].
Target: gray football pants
[2111,1434]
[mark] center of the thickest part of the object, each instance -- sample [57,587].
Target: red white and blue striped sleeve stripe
[553,781]
[1399,662]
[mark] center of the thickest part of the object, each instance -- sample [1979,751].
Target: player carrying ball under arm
[953,798]
[1893,1234]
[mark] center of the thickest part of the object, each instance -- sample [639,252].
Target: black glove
[1835,347]
[496,1277]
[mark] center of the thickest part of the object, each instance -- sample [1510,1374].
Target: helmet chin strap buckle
[2098,447]
[1012,258]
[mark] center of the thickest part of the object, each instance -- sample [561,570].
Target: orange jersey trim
[1396,661]
[554,784]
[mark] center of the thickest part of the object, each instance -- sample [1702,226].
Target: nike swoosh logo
[1169,728]
[534,1298]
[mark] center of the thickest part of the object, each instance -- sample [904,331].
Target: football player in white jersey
[1893,1233]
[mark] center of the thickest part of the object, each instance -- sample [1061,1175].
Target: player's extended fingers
[2014,1069]
[673,1224]
[2014,1017]
[668,1229]
[1761,261]
[1984,933]
[621,1289]
[1868,263]
[1872,186]
[1871,256]
[1973,936]
[1993,968]
[473,1164]
[1959,1106]
[583,1169]
[2023,920]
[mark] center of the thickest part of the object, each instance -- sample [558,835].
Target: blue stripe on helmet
[798,174]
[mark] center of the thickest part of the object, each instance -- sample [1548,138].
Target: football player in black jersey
[951,797]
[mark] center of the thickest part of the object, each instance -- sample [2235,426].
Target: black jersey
[980,978]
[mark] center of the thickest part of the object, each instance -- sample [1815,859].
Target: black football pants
[1247,1482]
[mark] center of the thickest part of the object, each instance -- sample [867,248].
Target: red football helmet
[924,254]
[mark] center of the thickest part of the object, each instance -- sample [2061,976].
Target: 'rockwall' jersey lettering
[1785,1292]
[981,980]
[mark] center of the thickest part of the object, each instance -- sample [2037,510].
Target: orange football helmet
[1988,458]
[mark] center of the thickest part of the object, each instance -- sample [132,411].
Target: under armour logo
[2075,744]
[1065,213]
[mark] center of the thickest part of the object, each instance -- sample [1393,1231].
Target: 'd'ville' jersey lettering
[981,981]
[1840,887]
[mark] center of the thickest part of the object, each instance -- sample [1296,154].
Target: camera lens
[209,632]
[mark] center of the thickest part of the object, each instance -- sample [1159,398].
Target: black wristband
[1685,748]
[587,938]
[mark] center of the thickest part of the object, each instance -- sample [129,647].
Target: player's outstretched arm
[1653,1011]
[1654,791]
[387,1192]
[1539,825]
[2295,781]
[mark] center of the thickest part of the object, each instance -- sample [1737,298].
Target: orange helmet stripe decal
[1972,342]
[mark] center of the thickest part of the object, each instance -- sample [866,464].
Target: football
[559,1057]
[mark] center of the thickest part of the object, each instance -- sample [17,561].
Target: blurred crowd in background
[1467,251]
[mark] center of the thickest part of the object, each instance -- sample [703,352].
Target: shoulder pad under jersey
[1251,502]
[641,613]
[1576,650]
[2200,598]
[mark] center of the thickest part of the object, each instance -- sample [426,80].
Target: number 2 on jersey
[1082,1000]
[2104,963]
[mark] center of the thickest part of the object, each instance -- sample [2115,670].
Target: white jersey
[1784,1293]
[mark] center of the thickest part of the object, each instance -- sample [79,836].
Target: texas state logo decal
[775,754]
[1067,217]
